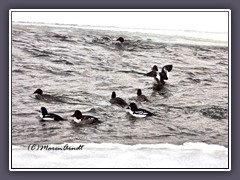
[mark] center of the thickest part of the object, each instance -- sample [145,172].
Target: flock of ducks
[132,109]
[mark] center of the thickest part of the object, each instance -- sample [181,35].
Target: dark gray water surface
[82,67]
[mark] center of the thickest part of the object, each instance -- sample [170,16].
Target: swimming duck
[84,119]
[45,116]
[117,100]
[140,113]
[141,97]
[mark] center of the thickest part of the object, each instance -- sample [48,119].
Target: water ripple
[82,67]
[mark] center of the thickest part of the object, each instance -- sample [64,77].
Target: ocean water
[81,66]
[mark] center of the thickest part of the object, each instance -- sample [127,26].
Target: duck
[136,112]
[84,119]
[47,97]
[117,100]
[141,97]
[120,39]
[39,95]
[45,116]
[152,73]
[163,75]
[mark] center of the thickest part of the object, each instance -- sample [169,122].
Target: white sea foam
[107,155]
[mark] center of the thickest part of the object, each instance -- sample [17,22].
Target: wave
[184,36]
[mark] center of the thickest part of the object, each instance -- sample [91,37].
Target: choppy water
[82,67]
